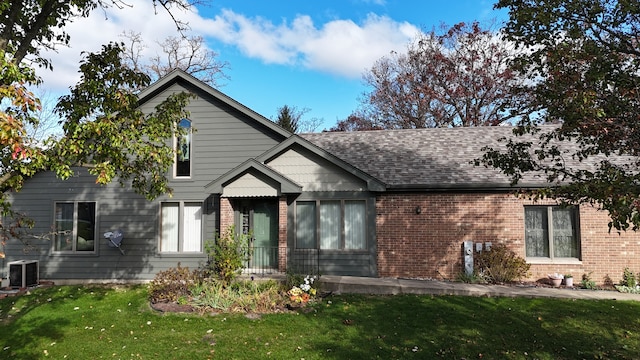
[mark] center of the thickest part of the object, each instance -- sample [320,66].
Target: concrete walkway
[364,285]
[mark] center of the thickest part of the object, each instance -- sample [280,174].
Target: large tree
[188,53]
[290,118]
[103,130]
[460,77]
[356,122]
[583,59]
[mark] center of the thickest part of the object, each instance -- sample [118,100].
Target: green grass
[117,323]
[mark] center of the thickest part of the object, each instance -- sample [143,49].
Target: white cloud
[347,49]
[340,47]
[102,27]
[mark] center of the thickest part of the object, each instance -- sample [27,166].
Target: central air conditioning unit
[23,273]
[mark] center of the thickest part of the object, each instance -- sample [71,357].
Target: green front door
[261,216]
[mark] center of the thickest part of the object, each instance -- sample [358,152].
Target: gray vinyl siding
[322,180]
[116,208]
[249,185]
[342,262]
[315,173]
[353,264]
[224,138]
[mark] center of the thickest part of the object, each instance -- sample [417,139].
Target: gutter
[501,187]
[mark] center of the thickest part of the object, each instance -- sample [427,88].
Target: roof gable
[372,183]
[263,179]
[190,83]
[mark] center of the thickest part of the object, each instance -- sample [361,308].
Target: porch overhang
[253,179]
[373,184]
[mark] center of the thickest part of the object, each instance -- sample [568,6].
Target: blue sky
[308,54]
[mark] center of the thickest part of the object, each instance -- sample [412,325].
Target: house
[381,204]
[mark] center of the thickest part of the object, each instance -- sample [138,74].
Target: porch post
[226,214]
[282,234]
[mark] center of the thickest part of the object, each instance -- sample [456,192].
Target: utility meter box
[467,250]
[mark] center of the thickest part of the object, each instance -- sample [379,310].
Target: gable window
[181,227]
[331,224]
[184,150]
[551,231]
[75,227]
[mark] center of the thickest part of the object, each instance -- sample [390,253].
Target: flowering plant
[303,292]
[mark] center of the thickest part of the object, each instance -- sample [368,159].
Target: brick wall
[282,233]
[226,214]
[429,244]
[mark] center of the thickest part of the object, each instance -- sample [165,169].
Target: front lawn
[71,322]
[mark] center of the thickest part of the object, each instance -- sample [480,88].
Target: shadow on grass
[29,320]
[460,327]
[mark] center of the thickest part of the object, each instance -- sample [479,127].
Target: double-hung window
[331,224]
[551,232]
[75,227]
[181,227]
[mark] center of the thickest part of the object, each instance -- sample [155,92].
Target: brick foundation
[429,244]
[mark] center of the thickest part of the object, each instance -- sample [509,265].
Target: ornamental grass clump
[239,296]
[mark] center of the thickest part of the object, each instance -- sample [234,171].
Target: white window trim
[175,148]
[553,261]
[540,260]
[181,233]
[74,250]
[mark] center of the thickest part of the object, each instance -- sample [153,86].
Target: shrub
[500,265]
[228,254]
[587,283]
[173,284]
[629,282]
[628,278]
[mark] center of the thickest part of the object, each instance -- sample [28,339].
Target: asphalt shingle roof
[439,158]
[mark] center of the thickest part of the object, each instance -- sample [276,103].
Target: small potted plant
[568,280]
[556,279]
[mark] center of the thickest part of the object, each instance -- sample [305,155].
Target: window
[331,224]
[306,224]
[551,231]
[181,227]
[183,150]
[75,227]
